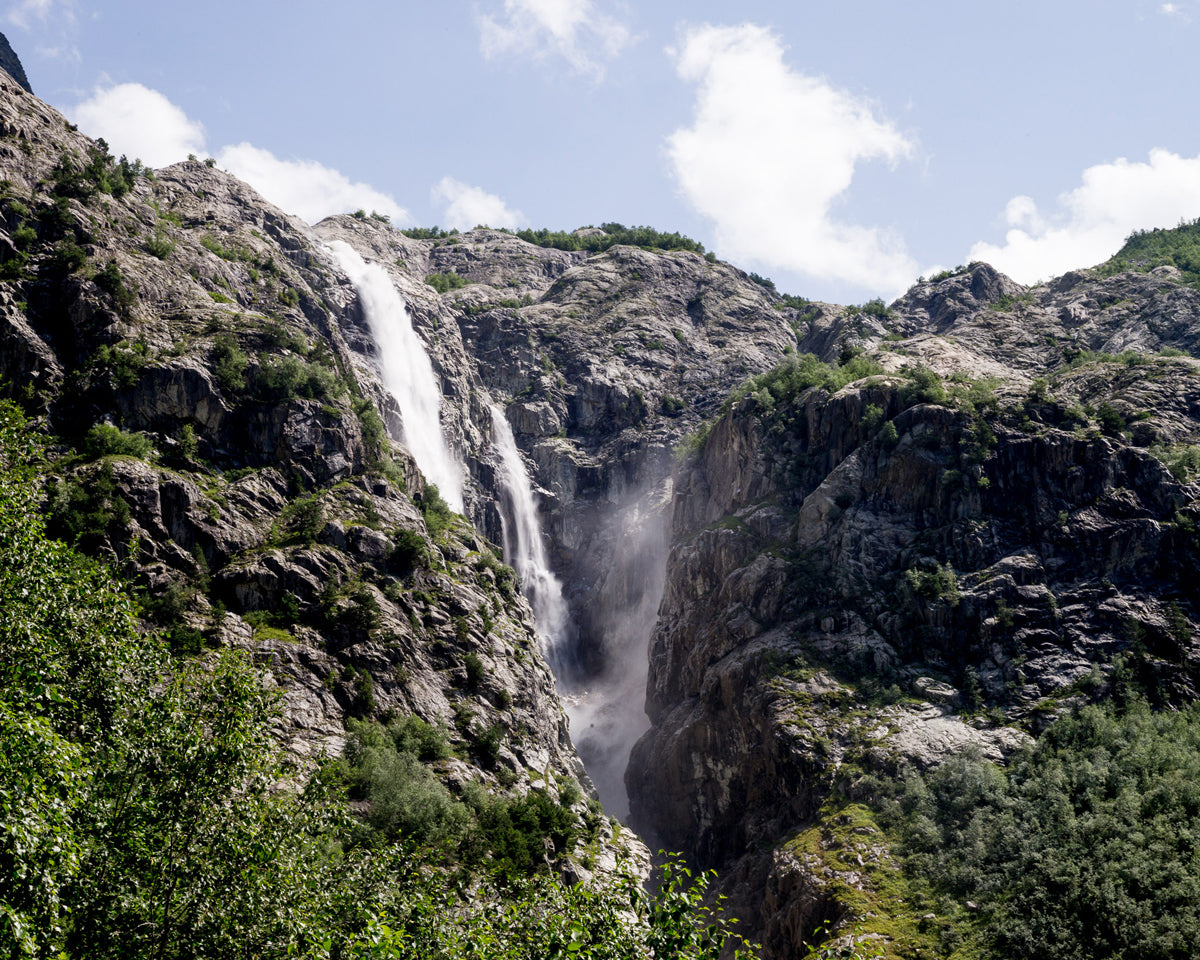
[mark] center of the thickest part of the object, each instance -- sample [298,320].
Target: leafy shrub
[428,233]
[409,552]
[940,584]
[872,417]
[67,257]
[373,431]
[888,436]
[229,364]
[474,668]
[1110,420]
[159,246]
[1144,250]
[876,308]
[515,831]
[671,406]
[103,439]
[923,386]
[111,280]
[799,373]
[362,614]
[123,361]
[445,282]
[86,514]
[24,238]
[284,378]
[303,520]
[100,174]
[1183,460]
[189,443]
[436,511]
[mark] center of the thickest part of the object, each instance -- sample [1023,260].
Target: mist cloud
[1089,223]
[770,150]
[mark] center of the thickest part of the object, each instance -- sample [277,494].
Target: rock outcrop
[10,63]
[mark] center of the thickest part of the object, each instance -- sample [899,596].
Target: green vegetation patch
[445,282]
[1146,249]
[614,233]
[1085,846]
[799,373]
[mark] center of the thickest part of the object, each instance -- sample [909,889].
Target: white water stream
[406,372]
[607,715]
[523,547]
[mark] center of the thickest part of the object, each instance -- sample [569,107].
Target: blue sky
[840,148]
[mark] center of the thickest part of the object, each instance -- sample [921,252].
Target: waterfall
[523,547]
[607,713]
[406,372]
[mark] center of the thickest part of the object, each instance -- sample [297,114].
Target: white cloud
[768,153]
[139,122]
[142,123]
[1091,221]
[1171,8]
[468,206]
[306,188]
[572,29]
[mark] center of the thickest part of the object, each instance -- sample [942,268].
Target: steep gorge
[960,515]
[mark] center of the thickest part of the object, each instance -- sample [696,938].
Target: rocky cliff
[941,542]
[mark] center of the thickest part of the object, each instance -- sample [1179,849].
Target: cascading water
[406,372]
[523,547]
[605,711]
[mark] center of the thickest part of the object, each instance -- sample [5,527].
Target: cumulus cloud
[1090,222]
[768,153]
[572,29]
[467,206]
[306,188]
[139,122]
[142,123]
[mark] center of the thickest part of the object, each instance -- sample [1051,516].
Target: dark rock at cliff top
[11,63]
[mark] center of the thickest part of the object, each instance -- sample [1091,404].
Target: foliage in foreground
[1087,846]
[141,813]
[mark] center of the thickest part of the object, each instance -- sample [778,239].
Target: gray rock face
[852,573]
